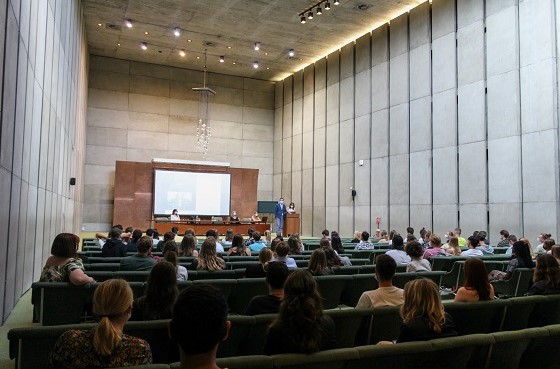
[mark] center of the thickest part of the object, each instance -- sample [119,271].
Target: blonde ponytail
[111,300]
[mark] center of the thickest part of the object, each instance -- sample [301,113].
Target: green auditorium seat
[218,274]
[410,355]
[451,278]
[401,279]
[110,267]
[348,322]
[149,366]
[385,324]
[245,289]
[517,285]
[546,312]
[132,276]
[349,270]
[355,288]
[542,352]
[331,288]
[332,359]
[225,285]
[257,337]
[519,311]
[477,317]
[461,352]
[241,327]
[509,347]
[101,276]
[156,333]
[243,362]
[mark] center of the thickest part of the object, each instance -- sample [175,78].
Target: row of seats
[335,290]
[354,327]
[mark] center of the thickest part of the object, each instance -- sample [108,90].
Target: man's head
[512,239]
[168,236]
[149,232]
[504,234]
[325,233]
[398,243]
[175,230]
[201,309]
[276,275]
[144,244]
[136,234]
[212,233]
[410,230]
[282,249]
[281,201]
[250,232]
[256,236]
[385,267]
[457,232]
[115,233]
[365,236]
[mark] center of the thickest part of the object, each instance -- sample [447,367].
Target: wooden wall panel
[134,186]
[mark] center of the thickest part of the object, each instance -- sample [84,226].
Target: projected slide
[191,193]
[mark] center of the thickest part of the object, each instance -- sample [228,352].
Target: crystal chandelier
[203,131]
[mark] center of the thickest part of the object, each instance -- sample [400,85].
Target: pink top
[433,252]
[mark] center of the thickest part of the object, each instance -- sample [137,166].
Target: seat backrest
[477,317]
[332,359]
[519,311]
[331,288]
[348,322]
[242,362]
[241,327]
[385,324]
[509,347]
[244,291]
[358,285]
[156,333]
[545,312]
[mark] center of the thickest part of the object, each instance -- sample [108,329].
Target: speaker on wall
[72,181]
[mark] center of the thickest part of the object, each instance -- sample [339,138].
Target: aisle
[20,316]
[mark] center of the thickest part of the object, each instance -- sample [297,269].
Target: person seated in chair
[386,294]
[255,217]
[397,252]
[282,251]
[140,261]
[276,275]
[364,242]
[259,244]
[208,305]
[114,246]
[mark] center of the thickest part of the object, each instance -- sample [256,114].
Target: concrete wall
[453,108]
[139,111]
[43,52]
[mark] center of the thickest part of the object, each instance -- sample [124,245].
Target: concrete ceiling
[216,25]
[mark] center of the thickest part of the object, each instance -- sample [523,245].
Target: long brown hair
[476,278]
[301,311]
[111,300]
[161,291]
[422,300]
[317,262]
[207,259]
[547,269]
[454,246]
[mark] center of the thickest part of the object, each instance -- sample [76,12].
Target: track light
[303,21]
[177,31]
[128,23]
[255,64]
[310,15]
[182,52]
[144,46]
[319,10]
[257,46]
[336,2]
[222,59]
[291,53]
[327,6]
[316,9]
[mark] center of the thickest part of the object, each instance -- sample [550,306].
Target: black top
[131,247]
[268,304]
[113,248]
[280,339]
[419,330]
[140,311]
[234,219]
[255,271]
[355,240]
[540,288]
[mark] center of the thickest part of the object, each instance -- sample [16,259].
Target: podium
[291,224]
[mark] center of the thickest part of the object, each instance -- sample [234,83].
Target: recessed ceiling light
[146,33]
[198,57]
[222,59]
[229,47]
[255,64]
[291,53]
[233,63]
[177,31]
[99,24]
[267,68]
[144,46]
[189,40]
[257,46]
[119,44]
[265,53]
[182,52]
[128,23]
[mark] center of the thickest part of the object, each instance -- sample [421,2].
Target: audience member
[318,263]
[155,237]
[336,244]
[435,250]
[397,252]
[386,294]
[259,270]
[472,243]
[175,230]
[275,278]
[170,254]
[204,310]
[190,232]
[161,293]
[140,261]
[214,234]
[325,235]
[114,247]
[383,237]
[547,245]
[105,346]
[333,260]
[228,237]
[504,242]
[364,242]
[422,313]
[546,277]
[511,240]
[357,237]
[188,246]
[64,265]
[295,245]
[301,326]
[476,286]
[461,240]
[282,251]
[452,246]
[483,245]
[540,246]
[410,232]
[131,245]
[259,244]
[417,264]
[167,236]
[521,259]
[238,247]
[556,252]
[207,258]
[250,240]
[268,237]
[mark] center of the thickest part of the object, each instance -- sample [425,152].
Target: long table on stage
[200,227]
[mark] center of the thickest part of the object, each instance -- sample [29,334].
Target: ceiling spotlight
[198,57]
[177,31]
[327,6]
[257,46]
[229,47]
[310,15]
[233,63]
[222,59]
[146,33]
[319,10]
[144,46]
[182,52]
[336,2]
[128,23]
[189,40]
[255,64]
[99,24]
[119,44]
[302,19]
[291,53]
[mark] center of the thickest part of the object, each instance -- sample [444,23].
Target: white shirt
[472,252]
[182,274]
[383,296]
[174,217]
[219,247]
[401,258]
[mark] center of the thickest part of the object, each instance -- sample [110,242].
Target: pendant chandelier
[203,130]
